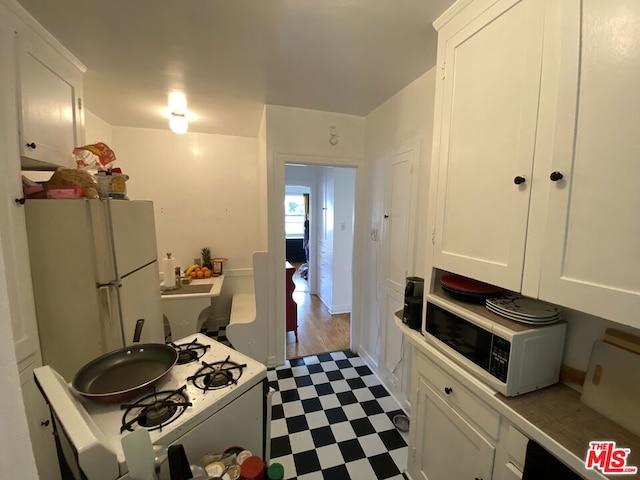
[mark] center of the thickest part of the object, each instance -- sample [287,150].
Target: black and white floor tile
[332,420]
[218,334]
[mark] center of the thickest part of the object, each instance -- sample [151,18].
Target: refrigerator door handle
[114,283]
[112,320]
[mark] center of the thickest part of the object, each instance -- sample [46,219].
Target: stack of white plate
[524,310]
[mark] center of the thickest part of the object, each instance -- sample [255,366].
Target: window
[294,216]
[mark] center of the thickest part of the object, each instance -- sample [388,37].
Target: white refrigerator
[95,272]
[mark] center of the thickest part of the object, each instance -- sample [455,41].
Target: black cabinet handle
[32,145]
[386,216]
[19,201]
[45,423]
[477,478]
[448,390]
[555,176]
[518,180]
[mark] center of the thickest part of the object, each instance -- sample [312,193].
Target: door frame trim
[276,236]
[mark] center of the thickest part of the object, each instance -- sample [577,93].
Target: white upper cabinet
[49,108]
[591,250]
[491,74]
[542,93]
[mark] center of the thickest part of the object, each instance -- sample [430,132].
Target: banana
[190,269]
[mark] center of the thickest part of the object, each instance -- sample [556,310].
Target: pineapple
[206,257]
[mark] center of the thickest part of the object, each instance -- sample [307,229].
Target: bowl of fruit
[196,272]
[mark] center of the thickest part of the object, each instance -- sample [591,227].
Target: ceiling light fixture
[178,122]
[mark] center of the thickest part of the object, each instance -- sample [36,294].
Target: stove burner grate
[217,375]
[155,410]
[190,352]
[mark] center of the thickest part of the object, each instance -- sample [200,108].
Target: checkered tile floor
[331,420]
[220,335]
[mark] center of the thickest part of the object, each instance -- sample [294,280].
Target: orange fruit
[197,269]
[199,274]
[193,274]
[207,273]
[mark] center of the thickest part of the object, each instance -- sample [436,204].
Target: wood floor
[318,330]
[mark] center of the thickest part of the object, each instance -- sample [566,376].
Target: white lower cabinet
[510,454]
[446,440]
[40,427]
[449,447]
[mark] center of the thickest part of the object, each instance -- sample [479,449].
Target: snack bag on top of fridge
[96,156]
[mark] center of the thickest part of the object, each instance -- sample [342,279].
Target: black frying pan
[124,373]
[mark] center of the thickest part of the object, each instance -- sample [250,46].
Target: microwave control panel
[499,360]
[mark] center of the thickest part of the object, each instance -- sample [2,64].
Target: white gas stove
[217,400]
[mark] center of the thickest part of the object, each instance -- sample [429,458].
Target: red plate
[467,285]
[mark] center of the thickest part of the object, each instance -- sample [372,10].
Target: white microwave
[510,357]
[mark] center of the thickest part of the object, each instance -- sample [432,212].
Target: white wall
[306,175]
[297,135]
[204,188]
[298,130]
[261,147]
[344,202]
[97,130]
[404,122]
[206,192]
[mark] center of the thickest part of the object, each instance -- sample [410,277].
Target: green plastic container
[275,472]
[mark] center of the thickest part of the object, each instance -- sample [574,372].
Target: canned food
[242,456]
[252,469]
[234,472]
[215,469]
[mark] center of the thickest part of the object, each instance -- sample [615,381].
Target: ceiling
[231,57]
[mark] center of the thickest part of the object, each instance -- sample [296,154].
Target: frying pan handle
[138,331]
[178,463]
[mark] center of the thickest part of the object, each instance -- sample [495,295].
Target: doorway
[321,251]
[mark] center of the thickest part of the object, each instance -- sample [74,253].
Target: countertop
[213,291]
[559,413]
[553,416]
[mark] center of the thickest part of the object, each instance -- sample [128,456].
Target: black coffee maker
[413,292]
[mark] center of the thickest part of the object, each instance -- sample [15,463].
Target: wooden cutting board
[622,340]
[612,387]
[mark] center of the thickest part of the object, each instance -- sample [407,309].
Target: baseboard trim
[383,376]
[238,272]
[337,310]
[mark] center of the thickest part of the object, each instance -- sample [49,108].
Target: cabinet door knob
[386,216]
[448,390]
[477,478]
[19,201]
[518,180]
[45,423]
[32,145]
[555,176]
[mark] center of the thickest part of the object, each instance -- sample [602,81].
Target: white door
[140,298]
[396,219]
[397,254]
[40,427]
[591,257]
[488,125]
[327,206]
[49,112]
[134,234]
[447,447]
